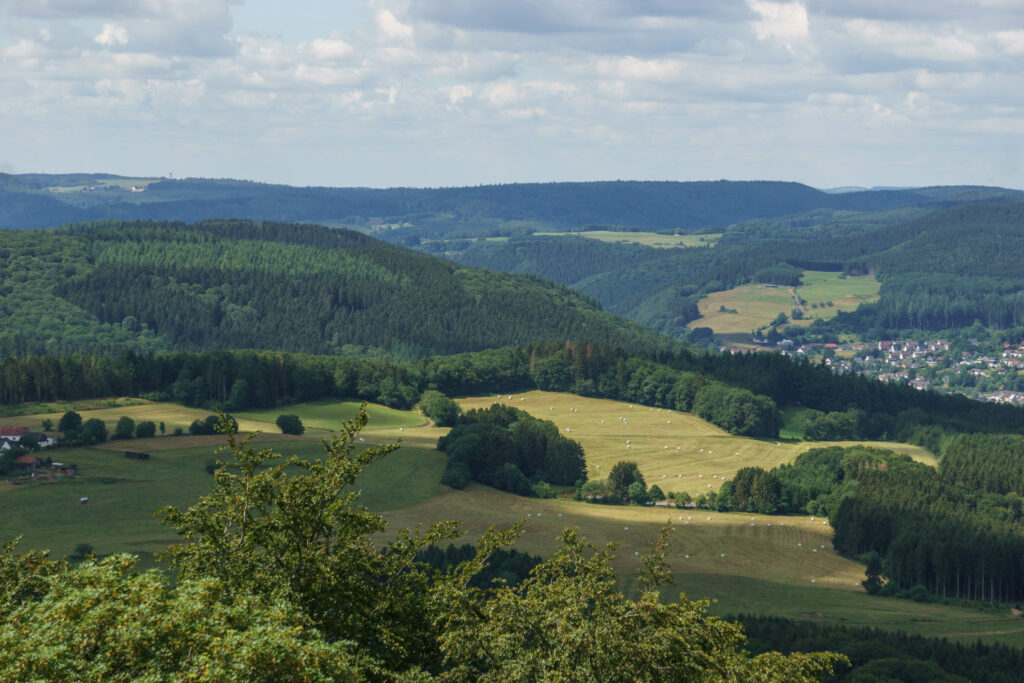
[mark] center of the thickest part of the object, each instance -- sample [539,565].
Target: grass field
[123,494]
[320,417]
[328,415]
[676,451]
[742,594]
[171,414]
[648,239]
[757,305]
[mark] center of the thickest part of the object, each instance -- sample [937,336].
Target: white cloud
[112,35]
[633,68]
[784,21]
[457,93]
[327,49]
[518,90]
[391,27]
[1010,42]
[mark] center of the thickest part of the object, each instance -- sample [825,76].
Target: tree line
[740,393]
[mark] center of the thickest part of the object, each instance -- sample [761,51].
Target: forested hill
[939,268]
[237,284]
[28,201]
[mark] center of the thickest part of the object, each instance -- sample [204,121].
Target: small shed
[27,461]
[136,455]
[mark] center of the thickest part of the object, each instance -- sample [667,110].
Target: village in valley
[983,371]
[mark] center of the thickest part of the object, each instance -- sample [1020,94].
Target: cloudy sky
[453,92]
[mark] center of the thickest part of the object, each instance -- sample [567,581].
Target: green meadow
[329,414]
[124,494]
[757,305]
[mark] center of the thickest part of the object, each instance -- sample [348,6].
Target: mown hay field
[677,451]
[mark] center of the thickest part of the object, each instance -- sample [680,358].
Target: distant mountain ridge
[39,200]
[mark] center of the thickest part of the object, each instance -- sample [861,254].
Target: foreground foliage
[280,579]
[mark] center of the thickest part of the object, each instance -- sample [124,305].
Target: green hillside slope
[238,284]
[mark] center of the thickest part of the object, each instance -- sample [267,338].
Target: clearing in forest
[756,305]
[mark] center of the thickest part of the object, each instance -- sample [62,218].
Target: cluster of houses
[921,364]
[12,436]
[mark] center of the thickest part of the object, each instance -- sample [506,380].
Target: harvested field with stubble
[677,451]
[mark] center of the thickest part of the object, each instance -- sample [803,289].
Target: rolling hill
[40,200]
[238,284]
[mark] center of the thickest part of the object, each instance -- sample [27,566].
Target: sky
[430,93]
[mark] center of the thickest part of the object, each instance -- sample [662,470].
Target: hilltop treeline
[813,484]
[233,284]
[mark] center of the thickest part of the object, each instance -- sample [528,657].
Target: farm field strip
[765,569]
[697,545]
[648,239]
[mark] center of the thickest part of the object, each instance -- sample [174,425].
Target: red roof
[26,460]
[13,431]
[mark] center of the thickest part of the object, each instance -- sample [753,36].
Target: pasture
[173,415]
[757,305]
[328,415]
[123,494]
[647,239]
[677,451]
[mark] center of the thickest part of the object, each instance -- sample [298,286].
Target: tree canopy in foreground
[280,578]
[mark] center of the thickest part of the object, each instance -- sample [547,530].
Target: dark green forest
[956,532]
[237,284]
